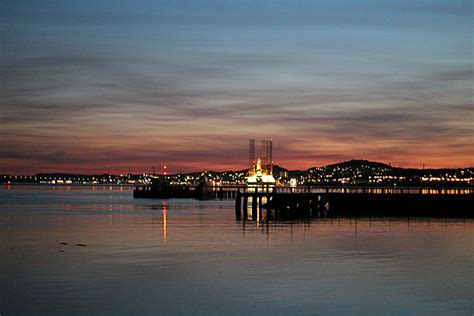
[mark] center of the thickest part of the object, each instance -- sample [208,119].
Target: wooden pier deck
[283,202]
[318,201]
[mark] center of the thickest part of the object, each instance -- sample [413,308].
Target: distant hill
[361,164]
[351,169]
[277,169]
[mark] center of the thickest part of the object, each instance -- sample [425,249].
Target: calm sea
[96,250]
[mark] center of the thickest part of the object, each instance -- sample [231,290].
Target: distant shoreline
[338,185]
[74,184]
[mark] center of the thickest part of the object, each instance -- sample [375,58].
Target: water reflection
[266,223]
[192,257]
[261,214]
[164,205]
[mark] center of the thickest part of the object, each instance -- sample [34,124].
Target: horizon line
[115,173]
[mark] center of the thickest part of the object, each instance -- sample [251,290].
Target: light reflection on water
[186,256]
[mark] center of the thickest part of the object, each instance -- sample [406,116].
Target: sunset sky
[88,86]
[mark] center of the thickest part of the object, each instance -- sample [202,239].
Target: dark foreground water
[191,257]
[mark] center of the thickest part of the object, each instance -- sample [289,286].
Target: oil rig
[261,168]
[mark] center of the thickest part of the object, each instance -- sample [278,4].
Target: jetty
[317,201]
[187,191]
[284,202]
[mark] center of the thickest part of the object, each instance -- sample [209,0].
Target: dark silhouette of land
[352,172]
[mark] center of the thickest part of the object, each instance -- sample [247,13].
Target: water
[194,257]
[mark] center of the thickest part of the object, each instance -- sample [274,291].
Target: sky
[124,86]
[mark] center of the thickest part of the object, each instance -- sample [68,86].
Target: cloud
[188,83]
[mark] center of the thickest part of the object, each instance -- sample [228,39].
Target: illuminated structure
[261,170]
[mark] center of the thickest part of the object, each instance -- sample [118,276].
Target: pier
[272,202]
[207,192]
[284,202]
